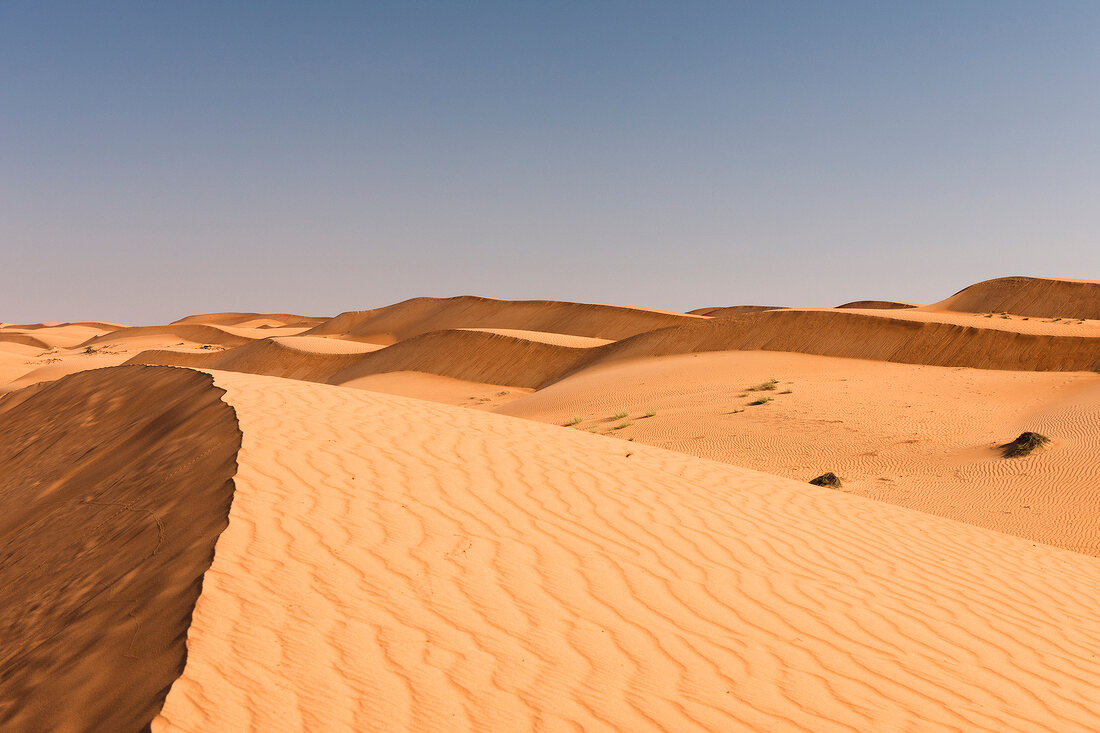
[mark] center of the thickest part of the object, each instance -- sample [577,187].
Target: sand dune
[115,485]
[392,564]
[295,357]
[26,339]
[250,320]
[905,336]
[732,310]
[878,305]
[493,356]
[422,315]
[921,437]
[196,334]
[1028,296]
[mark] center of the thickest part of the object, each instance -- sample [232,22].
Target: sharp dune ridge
[393,564]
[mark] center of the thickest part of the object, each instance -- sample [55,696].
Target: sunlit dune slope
[421,315]
[922,437]
[194,333]
[392,564]
[1028,296]
[115,484]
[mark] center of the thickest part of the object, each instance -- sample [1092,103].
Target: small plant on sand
[764,386]
[761,400]
[619,415]
[576,420]
[651,413]
[620,426]
[787,391]
[1024,444]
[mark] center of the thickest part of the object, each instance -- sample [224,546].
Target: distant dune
[251,320]
[421,315]
[878,305]
[732,310]
[1028,296]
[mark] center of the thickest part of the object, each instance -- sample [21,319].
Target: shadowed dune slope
[271,357]
[733,310]
[1028,296]
[250,319]
[396,565]
[474,356]
[866,336]
[115,486]
[495,358]
[26,339]
[421,315]
[878,305]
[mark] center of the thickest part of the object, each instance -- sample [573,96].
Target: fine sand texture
[115,486]
[393,564]
[922,437]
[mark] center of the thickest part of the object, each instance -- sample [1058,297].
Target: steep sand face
[921,437]
[116,484]
[1028,296]
[421,315]
[392,564]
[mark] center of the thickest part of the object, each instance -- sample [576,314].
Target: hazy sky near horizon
[160,159]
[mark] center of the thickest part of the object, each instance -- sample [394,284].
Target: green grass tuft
[764,386]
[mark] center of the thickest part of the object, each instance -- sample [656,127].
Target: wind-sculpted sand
[1028,296]
[393,564]
[921,437]
[115,486]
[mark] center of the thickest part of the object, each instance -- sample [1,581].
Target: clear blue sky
[158,159]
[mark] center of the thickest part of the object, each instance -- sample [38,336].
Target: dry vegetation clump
[1023,445]
[764,386]
[828,480]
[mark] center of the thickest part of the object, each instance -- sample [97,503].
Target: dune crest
[393,564]
[1028,296]
[420,315]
